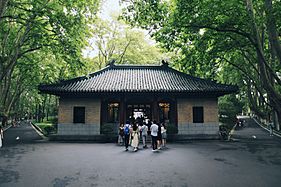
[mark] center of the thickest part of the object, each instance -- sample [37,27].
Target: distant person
[144,130]
[14,122]
[270,126]
[149,125]
[121,135]
[1,136]
[223,132]
[135,137]
[164,134]
[127,134]
[154,130]
[140,130]
[159,136]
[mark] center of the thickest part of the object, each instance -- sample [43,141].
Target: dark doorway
[138,112]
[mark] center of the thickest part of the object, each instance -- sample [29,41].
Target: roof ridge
[134,66]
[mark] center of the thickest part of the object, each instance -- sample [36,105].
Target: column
[122,111]
[155,110]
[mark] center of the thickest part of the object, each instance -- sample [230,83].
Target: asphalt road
[247,161]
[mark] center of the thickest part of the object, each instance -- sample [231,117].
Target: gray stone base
[198,129]
[78,129]
[84,138]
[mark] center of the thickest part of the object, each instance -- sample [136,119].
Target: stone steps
[113,138]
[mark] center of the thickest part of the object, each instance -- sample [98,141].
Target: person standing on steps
[121,135]
[154,132]
[135,137]
[127,134]
[144,130]
[159,136]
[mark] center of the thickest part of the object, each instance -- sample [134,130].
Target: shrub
[48,129]
[172,129]
[54,120]
[108,128]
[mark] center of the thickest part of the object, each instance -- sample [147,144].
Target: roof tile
[120,78]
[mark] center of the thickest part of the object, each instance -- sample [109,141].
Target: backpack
[126,130]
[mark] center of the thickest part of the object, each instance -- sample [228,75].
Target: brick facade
[92,116]
[93,112]
[185,116]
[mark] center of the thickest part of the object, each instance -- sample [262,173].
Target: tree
[115,40]
[30,29]
[215,36]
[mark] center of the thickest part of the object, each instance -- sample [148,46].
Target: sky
[109,7]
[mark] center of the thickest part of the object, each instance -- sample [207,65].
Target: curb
[274,133]
[6,128]
[38,132]
[232,132]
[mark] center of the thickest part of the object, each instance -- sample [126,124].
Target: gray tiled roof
[132,79]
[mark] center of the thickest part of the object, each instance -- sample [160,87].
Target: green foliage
[229,107]
[108,128]
[228,41]
[50,129]
[115,40]
[40,42]
[47,128]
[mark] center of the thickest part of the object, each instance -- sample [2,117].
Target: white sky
[108,8]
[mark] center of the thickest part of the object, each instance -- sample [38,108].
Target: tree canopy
[36,31]
[232,41]
[114,40]
[43,42]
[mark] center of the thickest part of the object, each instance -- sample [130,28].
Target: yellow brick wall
[185,110]
[92,110]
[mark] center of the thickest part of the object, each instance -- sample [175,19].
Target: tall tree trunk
[3,6]
[272,31]
[265,75]
[276,120]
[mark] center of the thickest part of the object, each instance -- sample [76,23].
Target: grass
[43,125]
[47,127]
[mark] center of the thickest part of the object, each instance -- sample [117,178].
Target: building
[118,93]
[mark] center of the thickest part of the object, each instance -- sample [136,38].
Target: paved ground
[247,161]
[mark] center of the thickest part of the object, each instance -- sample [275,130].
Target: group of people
[132,133]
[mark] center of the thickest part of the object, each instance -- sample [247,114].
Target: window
[113,112]
[198,114]
[164,112]
[79,115]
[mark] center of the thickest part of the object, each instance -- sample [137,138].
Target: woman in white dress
[135,137]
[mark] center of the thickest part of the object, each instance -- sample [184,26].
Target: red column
[155,110]
[122,113]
